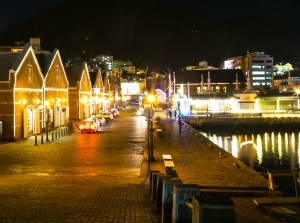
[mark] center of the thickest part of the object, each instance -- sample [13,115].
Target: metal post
[148,136]
[151,140]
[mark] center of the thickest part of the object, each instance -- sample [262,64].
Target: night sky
[219,9]
[16,11]
[205,42]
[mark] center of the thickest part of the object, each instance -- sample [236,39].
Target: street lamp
[151,99]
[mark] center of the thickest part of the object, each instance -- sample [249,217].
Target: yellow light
[84,99]
[151,98]
[24,101]
[46,103]
[37,101]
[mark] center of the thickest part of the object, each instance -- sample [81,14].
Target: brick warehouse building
[33,92]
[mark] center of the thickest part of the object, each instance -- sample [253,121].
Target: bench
[168,162]
[159,132]
[169,165]
[166,157]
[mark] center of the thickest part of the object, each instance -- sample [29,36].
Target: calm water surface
[264,151]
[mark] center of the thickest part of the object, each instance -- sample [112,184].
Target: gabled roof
[104,75]
[93,76]
[11,61]
[74,74]
[7,61]
[44,59]
[216,76]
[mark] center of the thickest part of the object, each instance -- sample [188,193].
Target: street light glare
[151,98]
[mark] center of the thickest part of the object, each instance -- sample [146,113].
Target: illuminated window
[256,67]
[259,78]
[258,72]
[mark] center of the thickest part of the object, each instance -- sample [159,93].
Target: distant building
[129,69]
[105,62]
[197,83]
[203,65]
[256,65]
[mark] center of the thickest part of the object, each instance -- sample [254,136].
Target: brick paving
[103,177]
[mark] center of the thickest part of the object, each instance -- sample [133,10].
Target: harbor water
[265,151]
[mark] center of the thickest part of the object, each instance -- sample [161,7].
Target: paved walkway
[103,177]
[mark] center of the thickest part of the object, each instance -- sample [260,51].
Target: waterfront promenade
[103,177]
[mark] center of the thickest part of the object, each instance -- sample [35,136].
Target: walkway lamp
[150,113]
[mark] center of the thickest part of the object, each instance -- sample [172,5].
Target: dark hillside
[152,31]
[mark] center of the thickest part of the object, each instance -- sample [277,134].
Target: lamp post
[151,99]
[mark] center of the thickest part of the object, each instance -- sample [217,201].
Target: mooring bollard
[213,209]
[154,184]
[55,134]
[167,199]
[35,140]
[181,193]
[52,136]
[151,178]
[42,139]
[159,188]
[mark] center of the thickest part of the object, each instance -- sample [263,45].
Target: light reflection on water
[265,151]
[271,150]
